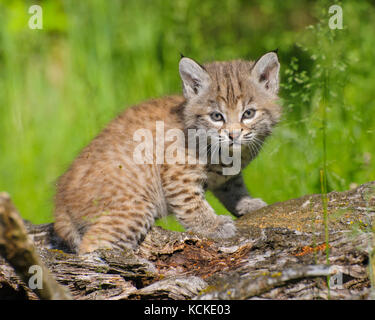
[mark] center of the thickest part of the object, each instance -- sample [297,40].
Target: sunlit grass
[60,86]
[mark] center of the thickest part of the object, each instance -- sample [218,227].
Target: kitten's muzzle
[234,135]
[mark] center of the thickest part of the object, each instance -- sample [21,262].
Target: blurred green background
[61,85]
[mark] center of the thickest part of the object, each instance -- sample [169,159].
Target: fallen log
[19,251]
[280,252]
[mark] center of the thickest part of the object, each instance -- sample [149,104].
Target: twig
[19,251]
[254,287]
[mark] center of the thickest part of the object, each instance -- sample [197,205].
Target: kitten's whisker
[257,147]
[216,149]
[258,140]
[251,150]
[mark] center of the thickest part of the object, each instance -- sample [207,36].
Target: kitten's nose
[234,134]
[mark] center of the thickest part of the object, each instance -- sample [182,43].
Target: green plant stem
[323,171]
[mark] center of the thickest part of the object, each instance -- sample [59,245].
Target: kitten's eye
[216,116]
[248,114]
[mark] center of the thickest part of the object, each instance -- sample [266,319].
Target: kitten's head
[236,98]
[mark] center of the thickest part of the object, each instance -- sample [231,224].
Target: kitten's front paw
[247,205]
[224,229]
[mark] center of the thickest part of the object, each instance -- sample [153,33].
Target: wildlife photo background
[60,85]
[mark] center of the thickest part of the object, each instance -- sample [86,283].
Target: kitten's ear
[195,80]
[266,72]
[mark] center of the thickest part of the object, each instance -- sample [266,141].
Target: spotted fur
[106,200]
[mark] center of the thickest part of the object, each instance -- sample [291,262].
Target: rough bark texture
[280,252]
[19,251]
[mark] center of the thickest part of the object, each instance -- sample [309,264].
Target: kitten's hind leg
[116,229]
[235,197]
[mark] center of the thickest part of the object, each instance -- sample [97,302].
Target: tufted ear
[266,72]
[195,80]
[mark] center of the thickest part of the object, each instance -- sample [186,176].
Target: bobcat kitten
[107,200]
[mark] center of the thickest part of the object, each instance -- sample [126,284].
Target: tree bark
[19,251]
[279,252]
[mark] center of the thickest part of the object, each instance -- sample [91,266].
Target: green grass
[60,86]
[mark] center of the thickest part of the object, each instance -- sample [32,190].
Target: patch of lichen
[58,254]
[306,213]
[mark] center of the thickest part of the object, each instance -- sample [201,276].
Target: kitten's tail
[67,230]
